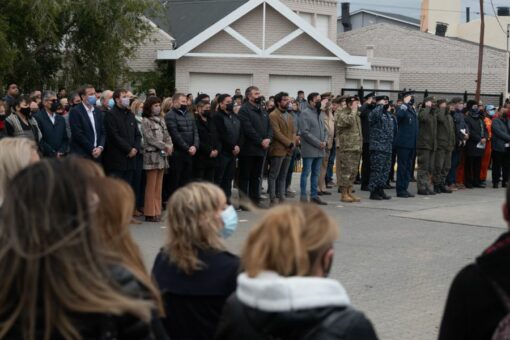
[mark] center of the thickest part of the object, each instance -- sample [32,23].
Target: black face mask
[230,108]
[66,108]
[258,100]
[26,111]
[54,107]
[386,107]
[318,106]
[33,111]
[206,114]
[411,102]
[183,108]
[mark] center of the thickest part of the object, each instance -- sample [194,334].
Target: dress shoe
[389,187]
[437,189]
[431,192]
[423,192]
[325,193]
[403,194]
[357,181]
[318,201]
[290,194]
[495,185]
[375,195]
[413,180]
[152,219]
[445,189]
[479,186]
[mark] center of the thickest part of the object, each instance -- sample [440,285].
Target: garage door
[212,83]
[292,84]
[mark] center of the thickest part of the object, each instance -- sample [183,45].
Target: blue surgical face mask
[230,221]
[492,112]
[111,103]
[92,100]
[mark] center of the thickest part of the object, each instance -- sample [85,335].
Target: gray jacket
[500,134]
[313,132]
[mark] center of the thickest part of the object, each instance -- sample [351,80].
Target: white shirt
[90,113]
[51,117]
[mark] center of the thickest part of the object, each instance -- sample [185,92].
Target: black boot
[445,189]
[437,189]
[383,194]
[375,195]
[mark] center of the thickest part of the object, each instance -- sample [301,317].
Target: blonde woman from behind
[15,154]
[284,292]
[195,272]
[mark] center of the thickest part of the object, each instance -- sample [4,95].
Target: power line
[495,14]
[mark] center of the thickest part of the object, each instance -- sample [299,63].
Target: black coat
[209,141]
[54,136]
[255,127]
[105,326]
[473,308]
[477,131]
[193,303]
[122,135]
[328,323]
[182,129]
[82,134]
[228,127]
[365,124]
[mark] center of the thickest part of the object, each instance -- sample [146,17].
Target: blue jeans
[312,165]
[452,175]
[405,158]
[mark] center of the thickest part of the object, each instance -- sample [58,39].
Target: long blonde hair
[166,105]
[15,154]
[192,224]
[113,216]
[288,240]
[52,267]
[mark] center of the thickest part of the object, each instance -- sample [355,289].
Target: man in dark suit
[54,140]
[123,139]
[86,121]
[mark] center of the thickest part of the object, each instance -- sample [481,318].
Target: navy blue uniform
[406,145]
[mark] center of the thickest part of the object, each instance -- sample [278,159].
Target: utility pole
[480,53]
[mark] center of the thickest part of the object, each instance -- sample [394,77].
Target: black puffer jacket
[477,131]
[106,327]
[270,307]
[182,129]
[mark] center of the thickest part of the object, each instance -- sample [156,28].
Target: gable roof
[247,7]
[184,19]
[392,16]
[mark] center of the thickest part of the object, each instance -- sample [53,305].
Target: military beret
[382,98]
[369,95]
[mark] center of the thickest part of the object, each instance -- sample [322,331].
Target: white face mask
[124,102]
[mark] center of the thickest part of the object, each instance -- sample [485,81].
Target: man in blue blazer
[405,143]
[54,142]
[86,121]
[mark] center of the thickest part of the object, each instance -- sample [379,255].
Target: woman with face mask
[22,123]
[157,147]
[206,161]
[284,292]
[194,271]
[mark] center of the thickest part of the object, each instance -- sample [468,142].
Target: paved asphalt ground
[396,258]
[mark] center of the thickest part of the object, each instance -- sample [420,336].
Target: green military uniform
[445,146]
[348,146]
[425,148]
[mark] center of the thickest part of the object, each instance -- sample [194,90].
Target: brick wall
[430,62]
[145,57]
[260,69]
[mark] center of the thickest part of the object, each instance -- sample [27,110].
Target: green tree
[72,42]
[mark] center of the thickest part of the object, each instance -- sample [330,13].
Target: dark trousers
[365,165]
[139,182]
[204,174]
[452,175]
[331,164]
[291,169]
[250,172]
[181,170]
[472,171]
[126,175]
[405,166]
[500,165]
[225,173]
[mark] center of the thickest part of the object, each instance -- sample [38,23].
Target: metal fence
[493,99]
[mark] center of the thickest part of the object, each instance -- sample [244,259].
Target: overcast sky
[412,7]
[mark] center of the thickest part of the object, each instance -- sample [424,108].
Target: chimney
[441,28]
[503,11]
[468,14]
[346,17]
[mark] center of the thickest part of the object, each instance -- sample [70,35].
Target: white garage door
[292,84]
[212,83]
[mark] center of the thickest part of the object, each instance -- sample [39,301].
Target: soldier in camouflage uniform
[445,145]
[426,146]
[348,145]
[381,144]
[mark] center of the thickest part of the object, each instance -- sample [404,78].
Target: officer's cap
[407,93]
[369,95]
[382,98]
